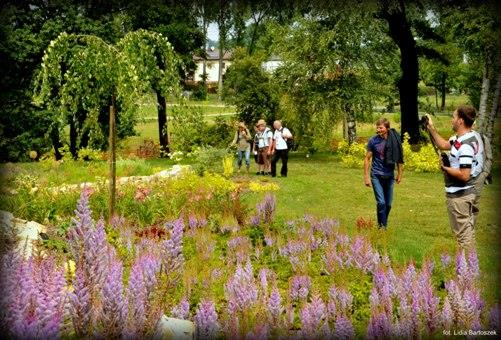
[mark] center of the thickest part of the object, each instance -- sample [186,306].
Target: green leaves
[80,74]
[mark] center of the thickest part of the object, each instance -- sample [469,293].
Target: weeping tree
[82,74]
[155,64]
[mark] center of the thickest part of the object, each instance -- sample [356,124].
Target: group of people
[462,168]
[268,147]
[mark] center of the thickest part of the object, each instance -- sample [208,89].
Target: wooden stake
[112,162]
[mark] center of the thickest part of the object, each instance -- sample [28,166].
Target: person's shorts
[261,155]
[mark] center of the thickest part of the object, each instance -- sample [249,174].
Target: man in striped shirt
[466,161]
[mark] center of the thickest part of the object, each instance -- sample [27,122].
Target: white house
[272,64]
[212,65]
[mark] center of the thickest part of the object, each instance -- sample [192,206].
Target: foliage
[188,127]
[250,88]
[420,158]
[81,75]
[208,158]
[352,155]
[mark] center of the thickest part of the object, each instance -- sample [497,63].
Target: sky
[213,32]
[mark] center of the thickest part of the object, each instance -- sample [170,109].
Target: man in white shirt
[279,148]
[466,161]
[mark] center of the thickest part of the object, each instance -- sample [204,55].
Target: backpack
[288,141]
[485,177]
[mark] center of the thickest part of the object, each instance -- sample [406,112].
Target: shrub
[421,158]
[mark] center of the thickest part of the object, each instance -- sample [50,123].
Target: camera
[423,122]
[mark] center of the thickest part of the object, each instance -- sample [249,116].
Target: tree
[477,30]
[156,64]
[329,64]
[250,88]
[26,28]
[404,22]
[83,71]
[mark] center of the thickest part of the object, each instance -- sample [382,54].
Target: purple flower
[241,290]
[181,310]
[445,259]
[206,320]
[495,317]
[261,332]
[172,253]
[447,314]
[300,287]
[343,329]
[266,208]
[114,310]
[313,318]
[81,303]
[473,264]
[379,326]
[142,281]
[255,220]
[461,265]
[275,305]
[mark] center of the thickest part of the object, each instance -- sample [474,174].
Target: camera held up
[423,122]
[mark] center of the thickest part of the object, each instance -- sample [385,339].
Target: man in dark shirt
[381,177]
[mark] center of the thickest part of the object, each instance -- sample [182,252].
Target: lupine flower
[240,290]
[445,259]
[300,287]
[173,248]
[255,220]
[313,317]
[33,299]
[275,304]
[379,326]
[142,281]
[263,279]
[343,329]
[295,251]
[81,303]
[266,208]
[495,317]
[261,332]
[181,310]
[206,320]
[192,222]
[114,304]
[447,314]
[473,264]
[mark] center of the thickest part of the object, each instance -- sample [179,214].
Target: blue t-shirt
[376,145]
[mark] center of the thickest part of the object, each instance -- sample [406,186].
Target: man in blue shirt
[381,177]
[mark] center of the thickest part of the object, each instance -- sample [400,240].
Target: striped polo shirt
[466,152]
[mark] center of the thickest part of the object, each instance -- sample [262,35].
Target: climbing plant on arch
[81,74]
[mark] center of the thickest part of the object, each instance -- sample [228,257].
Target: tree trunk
[442,90]
[436,97]
[482,107]
[56,143]
[489,128]
[220,74]
[351,124]
[73,138]
[112,162]
[222,25]
[400,32]
[162,124]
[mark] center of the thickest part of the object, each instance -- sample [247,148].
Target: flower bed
[259,278]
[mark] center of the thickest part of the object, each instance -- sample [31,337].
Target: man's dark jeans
[383,191]
[284,156]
